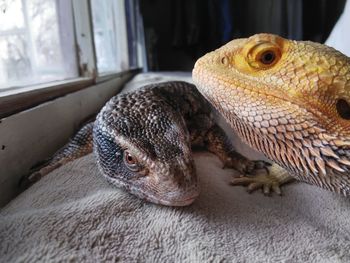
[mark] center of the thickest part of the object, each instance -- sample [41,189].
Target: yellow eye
[264,55]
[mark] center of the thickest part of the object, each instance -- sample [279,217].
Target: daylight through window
[32,43]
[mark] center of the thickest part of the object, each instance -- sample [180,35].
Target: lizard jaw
[184,197]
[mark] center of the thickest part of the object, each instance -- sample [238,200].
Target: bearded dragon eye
[128,158]
[130,162]
[343,109]
[263,55]
[268,57]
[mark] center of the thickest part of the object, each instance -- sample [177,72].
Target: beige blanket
[74,215]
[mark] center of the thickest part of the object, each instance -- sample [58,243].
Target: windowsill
[12,91]
[105,76]
[19,99]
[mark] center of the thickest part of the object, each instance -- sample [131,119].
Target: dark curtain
[179,31]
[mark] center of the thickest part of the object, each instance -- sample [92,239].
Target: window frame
[16,99]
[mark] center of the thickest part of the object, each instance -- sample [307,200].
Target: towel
[74,215]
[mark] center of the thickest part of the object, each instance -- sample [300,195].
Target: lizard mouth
[185,202]
[176,197]
[168,200]
[181,202]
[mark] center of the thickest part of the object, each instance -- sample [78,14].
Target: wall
[340,36]
[33,135]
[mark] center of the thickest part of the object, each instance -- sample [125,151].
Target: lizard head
[145,149]
[287,99]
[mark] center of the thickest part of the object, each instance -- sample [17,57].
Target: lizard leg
[254,174]
[267,180]
[80,145]
[217,142]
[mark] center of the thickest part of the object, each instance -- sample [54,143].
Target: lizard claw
[252,166]
[29,179]
[35,174]
[245,166]
[267,180]
[257,182]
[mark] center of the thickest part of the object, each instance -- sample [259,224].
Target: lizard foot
[269,180]
[29,179]
[245,166]
[35,174]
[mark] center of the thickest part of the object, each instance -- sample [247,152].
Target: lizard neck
[311,155]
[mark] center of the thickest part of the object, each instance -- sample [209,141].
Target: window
[136,38]
[43,41]
[105,35]
[34,43]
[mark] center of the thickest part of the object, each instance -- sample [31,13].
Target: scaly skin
[142,142]
[288,100]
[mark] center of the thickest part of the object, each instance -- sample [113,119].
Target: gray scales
[143,141]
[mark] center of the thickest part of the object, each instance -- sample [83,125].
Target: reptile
[288,100]
[142,141]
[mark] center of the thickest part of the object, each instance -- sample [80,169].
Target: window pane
[31,44]
[9,18]
[131,20]
[104,35]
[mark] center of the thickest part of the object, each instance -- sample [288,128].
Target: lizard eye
[264,55]
[343,109]
[267,57]
[130,162]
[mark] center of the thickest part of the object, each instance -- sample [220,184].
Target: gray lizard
[142,142]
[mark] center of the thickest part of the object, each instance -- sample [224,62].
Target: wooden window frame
[16,99]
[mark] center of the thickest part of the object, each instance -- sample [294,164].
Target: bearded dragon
[288,100]
[142,143]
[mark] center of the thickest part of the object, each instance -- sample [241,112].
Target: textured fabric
[74,214]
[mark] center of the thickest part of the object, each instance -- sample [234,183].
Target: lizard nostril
[343,109]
